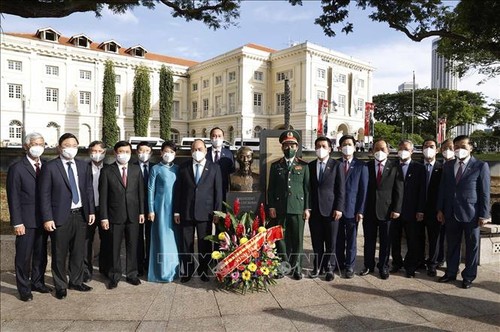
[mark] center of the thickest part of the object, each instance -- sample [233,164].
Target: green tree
[141,101]
[166,101]
[458,107]
[494,118]
[109,127]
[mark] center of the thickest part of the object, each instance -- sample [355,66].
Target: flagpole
[437,108]
[412,104]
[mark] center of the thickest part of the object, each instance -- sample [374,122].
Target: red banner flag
[322,112]
[441,130]
[369,107]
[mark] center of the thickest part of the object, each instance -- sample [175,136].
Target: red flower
[262,212]
[269,262]
[236,206]
[259,263]
[259,272]
[256,224]
[227,221]
[239,230]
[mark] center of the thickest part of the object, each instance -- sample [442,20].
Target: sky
[273,24]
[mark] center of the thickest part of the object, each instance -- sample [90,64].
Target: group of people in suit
[158,208]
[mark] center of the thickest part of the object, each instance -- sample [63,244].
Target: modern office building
[59,81]
[442,76]
[407,87]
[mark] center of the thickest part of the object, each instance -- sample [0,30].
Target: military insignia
[289,134]
[298,167]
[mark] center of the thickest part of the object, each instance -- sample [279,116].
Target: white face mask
[69,153]
[429,152]
[168,157]
[36,151]
[404,154]
[448,154]
[123,158]
[217,143]
[380,155]
[144,157]
[198,156]
[461,153]
[97,157]
[322,153]
[348,150]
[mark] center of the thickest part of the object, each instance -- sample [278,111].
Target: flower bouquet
[246,259]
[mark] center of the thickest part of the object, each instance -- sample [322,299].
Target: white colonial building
[59,81]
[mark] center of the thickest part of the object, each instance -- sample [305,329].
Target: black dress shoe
[446,278]
[466,284]
[410,275]
[204,278]
[41,289]
[365,271]
[395,269]
[87,278]
[61,294]
[185,279]
[112,284]
[349,274]
[384,275]
[26,297]
[80,288]
[134,281]
[329,276]
[313,274]
[297,275]
[431,272]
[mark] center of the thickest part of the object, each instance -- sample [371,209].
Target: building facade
[407,87]
[56,83]
[442,75]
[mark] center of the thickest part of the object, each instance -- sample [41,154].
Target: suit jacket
[118,203]
[469,199]
[414,191]
[288,190]
[381,201]
[356,184]
[146,208]
[22,195]
[55,191]
[431,198]
[329,194]
[226,164]
[198,201]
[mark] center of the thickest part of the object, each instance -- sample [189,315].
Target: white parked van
[252,143]
[186,142]
[154,142]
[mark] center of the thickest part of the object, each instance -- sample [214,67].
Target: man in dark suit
[198,193]
[464,206]
[67,206]
[433,170]
[412,212]
[144,153]
[121,199]
[327,203]
[383,204]
[356,182]
[222,156]
[31,239]
[288,201]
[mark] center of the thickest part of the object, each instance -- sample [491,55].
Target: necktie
[429,173]
[72,183]
[197,175]
[124,176]
[321,171]
[288,164]
[346,166]
[145,175]
[216,155]
[37,169]
[379,174]
[459,172]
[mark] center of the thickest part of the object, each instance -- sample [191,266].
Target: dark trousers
[143,245]
[105,249]
[294,241]
[280,245]
[441,251]
[68,237]
[130,230]
[31,259]
[370,228]
[396,234]
[432,229]
[324,241]
[454,232]
[203,228]
[346,243]
[413,230]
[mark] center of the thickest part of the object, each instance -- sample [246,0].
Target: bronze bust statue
[244,179]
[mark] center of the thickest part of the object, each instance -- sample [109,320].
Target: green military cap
[289,136]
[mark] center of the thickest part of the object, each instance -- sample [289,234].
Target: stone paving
[359,304]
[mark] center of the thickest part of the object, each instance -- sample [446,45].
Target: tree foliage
[458,107]
[166,101]
[141,100]
[110,129]
[493,119]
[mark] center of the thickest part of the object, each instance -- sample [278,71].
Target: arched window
[256,131]
[174,135]
[15,129]
[204,132]
[193,133]
[231,133]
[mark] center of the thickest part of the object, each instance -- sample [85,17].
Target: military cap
[289,136]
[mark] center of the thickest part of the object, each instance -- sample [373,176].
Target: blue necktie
[197,175]
[72,183]
[321,171]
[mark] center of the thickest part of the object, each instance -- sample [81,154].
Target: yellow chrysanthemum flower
[265,271]
[252,267]
[246,275]
[261,229]
[243,240]
[222,236]
[216,255]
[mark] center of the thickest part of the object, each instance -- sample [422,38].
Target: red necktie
[379,174]
[346,167]
[37,169]
[124,176]
[216,155]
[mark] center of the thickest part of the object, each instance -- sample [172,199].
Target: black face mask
[290,153]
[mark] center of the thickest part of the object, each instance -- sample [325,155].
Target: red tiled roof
[261,48]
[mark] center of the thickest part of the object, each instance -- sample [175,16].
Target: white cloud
[293,14]
[127,17]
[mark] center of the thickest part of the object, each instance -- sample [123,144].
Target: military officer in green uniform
[288,200]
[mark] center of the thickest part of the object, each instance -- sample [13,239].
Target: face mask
[404,155]
[461,153]
[198,156]
[322,153]
[348,150]
[217,143]
[290,153]
[97,157]
[429,152]
[36,151]
[380,155]
[69,153]
[168,157]
[122,158]
[448,154]
[144,157]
